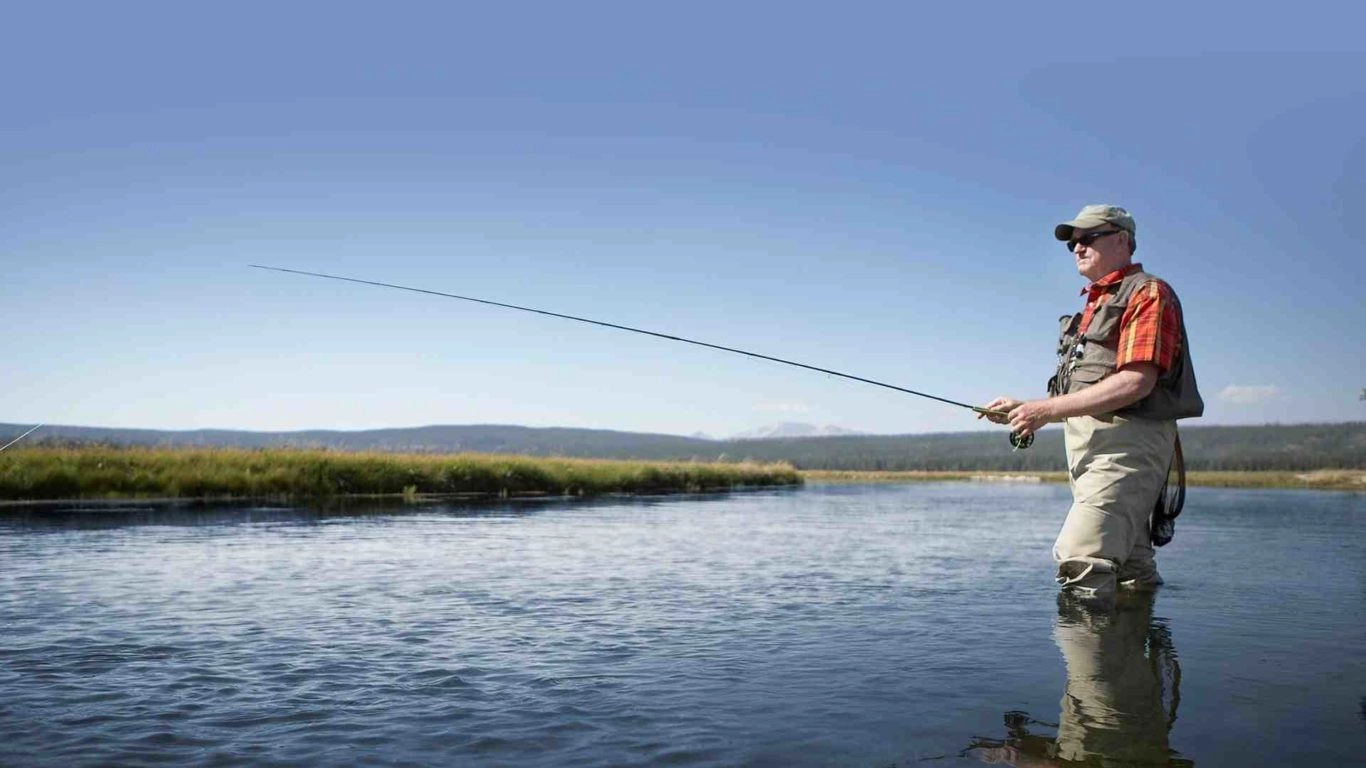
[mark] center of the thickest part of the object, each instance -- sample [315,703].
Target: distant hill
[1281,447]
[481,438]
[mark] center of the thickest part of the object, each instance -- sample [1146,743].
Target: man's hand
[1003,404]
[1027,418]
[1024,417]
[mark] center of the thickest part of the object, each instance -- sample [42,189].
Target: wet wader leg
[1117,467]
[1140,569]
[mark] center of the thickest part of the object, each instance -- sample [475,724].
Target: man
[1124,377]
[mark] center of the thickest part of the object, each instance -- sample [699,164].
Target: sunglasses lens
[1087,239]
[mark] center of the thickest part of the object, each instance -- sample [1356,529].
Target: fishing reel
[1017,441]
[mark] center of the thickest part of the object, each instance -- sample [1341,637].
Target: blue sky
[868,187]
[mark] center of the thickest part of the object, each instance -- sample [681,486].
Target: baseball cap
[1093,216]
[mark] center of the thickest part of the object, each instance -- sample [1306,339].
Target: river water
[836,625]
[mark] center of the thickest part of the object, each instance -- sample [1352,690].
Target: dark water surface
[835,625]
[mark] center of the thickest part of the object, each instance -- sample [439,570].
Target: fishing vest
[1086,358]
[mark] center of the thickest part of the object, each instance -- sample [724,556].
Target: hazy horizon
[696,434]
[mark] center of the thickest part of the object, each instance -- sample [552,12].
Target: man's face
[1100,250]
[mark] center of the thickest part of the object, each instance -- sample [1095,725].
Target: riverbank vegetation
[104,472]
[42,472]
[1324,479]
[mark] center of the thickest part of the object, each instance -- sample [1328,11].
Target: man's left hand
[1030,416]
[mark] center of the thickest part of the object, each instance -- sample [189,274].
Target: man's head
[1101,237]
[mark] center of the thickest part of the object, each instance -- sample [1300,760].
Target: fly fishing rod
[21,437]
[1020,442]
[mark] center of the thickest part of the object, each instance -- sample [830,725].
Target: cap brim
[1065,230]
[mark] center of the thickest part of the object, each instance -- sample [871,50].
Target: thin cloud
[1249,394]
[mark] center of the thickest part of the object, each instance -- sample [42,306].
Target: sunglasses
[1088,238]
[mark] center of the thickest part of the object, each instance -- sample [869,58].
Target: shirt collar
[1111,279]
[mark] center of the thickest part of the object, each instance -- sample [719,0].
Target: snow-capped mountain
[792,429]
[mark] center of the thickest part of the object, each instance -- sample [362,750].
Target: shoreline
[1320,480]
[1316,480]
[117,503]
[95,475]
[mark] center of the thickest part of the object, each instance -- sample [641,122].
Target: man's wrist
[1054,410]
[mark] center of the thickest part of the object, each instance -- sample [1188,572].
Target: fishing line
[1018,441]
[21,437]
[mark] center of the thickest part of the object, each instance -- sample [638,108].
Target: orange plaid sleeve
[1150,330]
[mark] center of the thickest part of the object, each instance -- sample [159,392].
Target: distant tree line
[1272,447]
[1298,447]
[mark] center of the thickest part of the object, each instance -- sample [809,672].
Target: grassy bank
[1323,479]
[104,472]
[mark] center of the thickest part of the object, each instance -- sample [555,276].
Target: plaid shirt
[1150,329]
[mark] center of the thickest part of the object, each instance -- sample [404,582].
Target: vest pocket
[1105,321]
[1086,374]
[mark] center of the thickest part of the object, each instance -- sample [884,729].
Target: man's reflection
[1120,700]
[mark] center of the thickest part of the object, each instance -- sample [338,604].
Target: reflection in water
[1121,696]
[91,514]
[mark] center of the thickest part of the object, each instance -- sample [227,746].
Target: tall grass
[108,472]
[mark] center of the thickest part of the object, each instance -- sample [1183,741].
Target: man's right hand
[1003,405]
